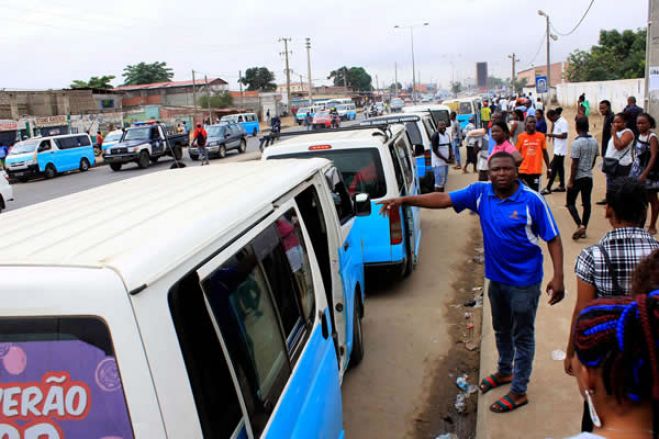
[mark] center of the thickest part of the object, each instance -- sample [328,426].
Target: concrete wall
[615,91]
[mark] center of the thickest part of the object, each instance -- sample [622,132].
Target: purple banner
[60,389]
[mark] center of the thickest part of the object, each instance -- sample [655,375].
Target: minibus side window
[83,141]
[397,170]
[244,308]
[340,195]
[210,380]
[403,151]
[44,146]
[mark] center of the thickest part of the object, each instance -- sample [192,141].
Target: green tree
[357,78]
[617,56]
[259,78]
[494,82]
[520,84]
[144,73]
[397,86]
[94,82]
[456,87]
[217,100]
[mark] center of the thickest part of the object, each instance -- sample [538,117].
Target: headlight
[133,149]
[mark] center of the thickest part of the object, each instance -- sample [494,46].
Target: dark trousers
[585,187]
[557,167]
[531,180]
[471,155]
[513,319]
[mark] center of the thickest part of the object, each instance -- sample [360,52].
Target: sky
[49,43]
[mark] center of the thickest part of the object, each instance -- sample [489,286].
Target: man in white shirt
[559,136]
[441,143]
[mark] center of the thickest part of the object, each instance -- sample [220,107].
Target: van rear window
[59,378]
[361,169]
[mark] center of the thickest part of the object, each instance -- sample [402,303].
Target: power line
[583,17]
[537,52]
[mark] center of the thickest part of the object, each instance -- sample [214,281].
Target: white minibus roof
[361,138]
[143,227]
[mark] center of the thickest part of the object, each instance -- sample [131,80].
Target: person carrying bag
[619,155]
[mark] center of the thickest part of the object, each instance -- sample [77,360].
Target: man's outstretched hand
[387,205]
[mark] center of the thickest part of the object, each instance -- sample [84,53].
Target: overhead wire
[583,17]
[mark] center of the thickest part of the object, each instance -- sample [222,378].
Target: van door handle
[346,245]
[324,324]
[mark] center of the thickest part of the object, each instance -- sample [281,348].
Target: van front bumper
[121,158]
[27,172]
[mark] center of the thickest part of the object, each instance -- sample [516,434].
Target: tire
[243,146]
[154,159]
[50,171]
[84,165]
[255,132]
[115,166]
[357,335]
[143,160]
[222,151]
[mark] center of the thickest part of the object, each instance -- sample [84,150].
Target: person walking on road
[607,123]
[456,138]
[506,207]
[474,143]
[646,164]
[532,145]
[199,137]
[540,121]
[441,142]
[486,114]
[605,269]
[584,153]
[559,136]
[616,366]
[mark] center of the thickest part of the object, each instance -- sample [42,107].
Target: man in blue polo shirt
[513,220]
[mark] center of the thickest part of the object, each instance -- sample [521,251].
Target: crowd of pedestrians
[612,350]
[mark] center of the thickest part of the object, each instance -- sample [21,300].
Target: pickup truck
[143,145]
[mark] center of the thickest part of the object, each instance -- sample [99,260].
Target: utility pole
[548,62]
[396,78]
[345,78]
[301,84]
[307,44]
[651,104]
[242,101]
[208,99]
[288,73]
[194,95]
[514,58]
[377,83]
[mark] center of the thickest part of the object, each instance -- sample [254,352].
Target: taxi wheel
[222,151]
[50,171]
[84,165]
[357,335]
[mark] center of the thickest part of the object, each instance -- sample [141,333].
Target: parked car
[49,156]
[322,119]
[347,111]
[248,121]
[396,105]
[378,162]
[6,191]
[177,304]
[222,138]
[145,144]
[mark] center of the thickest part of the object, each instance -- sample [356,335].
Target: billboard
[481,74]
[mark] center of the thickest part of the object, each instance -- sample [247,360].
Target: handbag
[611,166]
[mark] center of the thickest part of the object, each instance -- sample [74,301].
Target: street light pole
[411,27]
[550,36]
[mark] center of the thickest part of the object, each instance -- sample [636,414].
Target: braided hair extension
[620,335]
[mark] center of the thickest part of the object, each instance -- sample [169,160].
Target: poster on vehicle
[61,388]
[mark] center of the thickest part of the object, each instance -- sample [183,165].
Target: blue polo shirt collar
[513,197]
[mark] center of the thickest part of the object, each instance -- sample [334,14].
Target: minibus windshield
[141,133]
[24,147]
[361,168]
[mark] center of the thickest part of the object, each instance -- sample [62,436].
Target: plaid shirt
[626,247]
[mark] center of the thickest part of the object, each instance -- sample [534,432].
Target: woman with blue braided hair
[615,342]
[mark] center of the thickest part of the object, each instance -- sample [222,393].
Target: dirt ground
[415,332]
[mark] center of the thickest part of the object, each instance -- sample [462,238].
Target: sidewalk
[554,409]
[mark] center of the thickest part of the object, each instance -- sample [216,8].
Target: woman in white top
[620,148]
[646,164]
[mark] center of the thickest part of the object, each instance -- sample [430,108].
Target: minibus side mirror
[419,150]
[362,204]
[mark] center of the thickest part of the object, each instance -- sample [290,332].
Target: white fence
[615,91]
